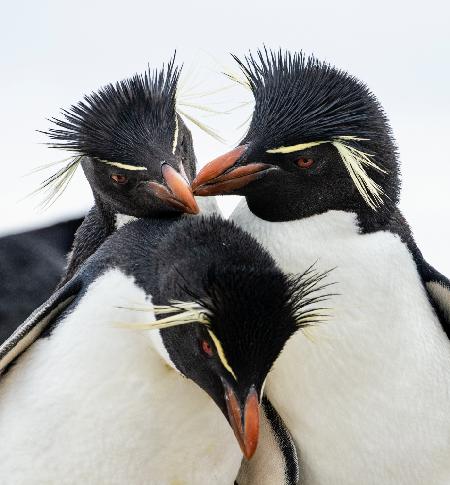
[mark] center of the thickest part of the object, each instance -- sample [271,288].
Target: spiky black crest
[122,120]
[299,99]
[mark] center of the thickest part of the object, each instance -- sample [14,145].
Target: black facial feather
[121,121]
[254,312]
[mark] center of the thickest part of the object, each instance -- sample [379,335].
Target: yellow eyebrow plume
[296,148]
[221,354]
[175,135]
[123,165]
[355,162]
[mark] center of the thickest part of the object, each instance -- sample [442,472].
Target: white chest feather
[123,219]
[367,397]
[96,404]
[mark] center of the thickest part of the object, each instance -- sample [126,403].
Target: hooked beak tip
[194,209]
[245,425]
[216,167]
[220,176]
[178,194]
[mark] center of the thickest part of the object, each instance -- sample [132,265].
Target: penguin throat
[286,206]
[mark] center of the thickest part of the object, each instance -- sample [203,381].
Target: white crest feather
[204,127]
[296,148]
[54,186]
[355,160]
[175,136]
[186,101]
[238,79]
[45,166]
[124,166]
[179,313]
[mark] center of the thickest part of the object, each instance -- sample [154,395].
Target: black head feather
[122,120]
[300,99]
[254,312]
[253,307]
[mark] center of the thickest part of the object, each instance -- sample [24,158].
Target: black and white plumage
[368,396]
[276,459]
[95,398]
[31,264]
[136,153]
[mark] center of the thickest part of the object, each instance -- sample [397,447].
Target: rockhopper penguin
[97,399]
[136,153]
[368,400]
[125,134]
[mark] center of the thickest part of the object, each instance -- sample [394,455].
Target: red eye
[206,348]
[305,162]
[117,178]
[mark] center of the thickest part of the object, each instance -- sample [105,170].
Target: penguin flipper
[37,322]
[438,289]
[276,459]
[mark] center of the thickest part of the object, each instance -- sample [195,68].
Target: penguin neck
[107,215]
[284,207]
[114,404]
[111,219]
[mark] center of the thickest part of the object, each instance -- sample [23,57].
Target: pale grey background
[52,52]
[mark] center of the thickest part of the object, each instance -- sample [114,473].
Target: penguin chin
[148,206]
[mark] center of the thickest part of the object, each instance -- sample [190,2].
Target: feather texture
[121,122]
[54,186]
[304,292]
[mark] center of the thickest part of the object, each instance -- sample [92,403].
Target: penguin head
[236,310]
[243,322]
[135,150]
[318,140]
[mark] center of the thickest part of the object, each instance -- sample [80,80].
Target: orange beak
[245,425]
[178,194]
[218,177]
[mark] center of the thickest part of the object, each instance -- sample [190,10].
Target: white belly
[367,398]
[95,404]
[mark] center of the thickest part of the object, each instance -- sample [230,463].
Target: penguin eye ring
[206,348]
[305,162]
[118,178]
